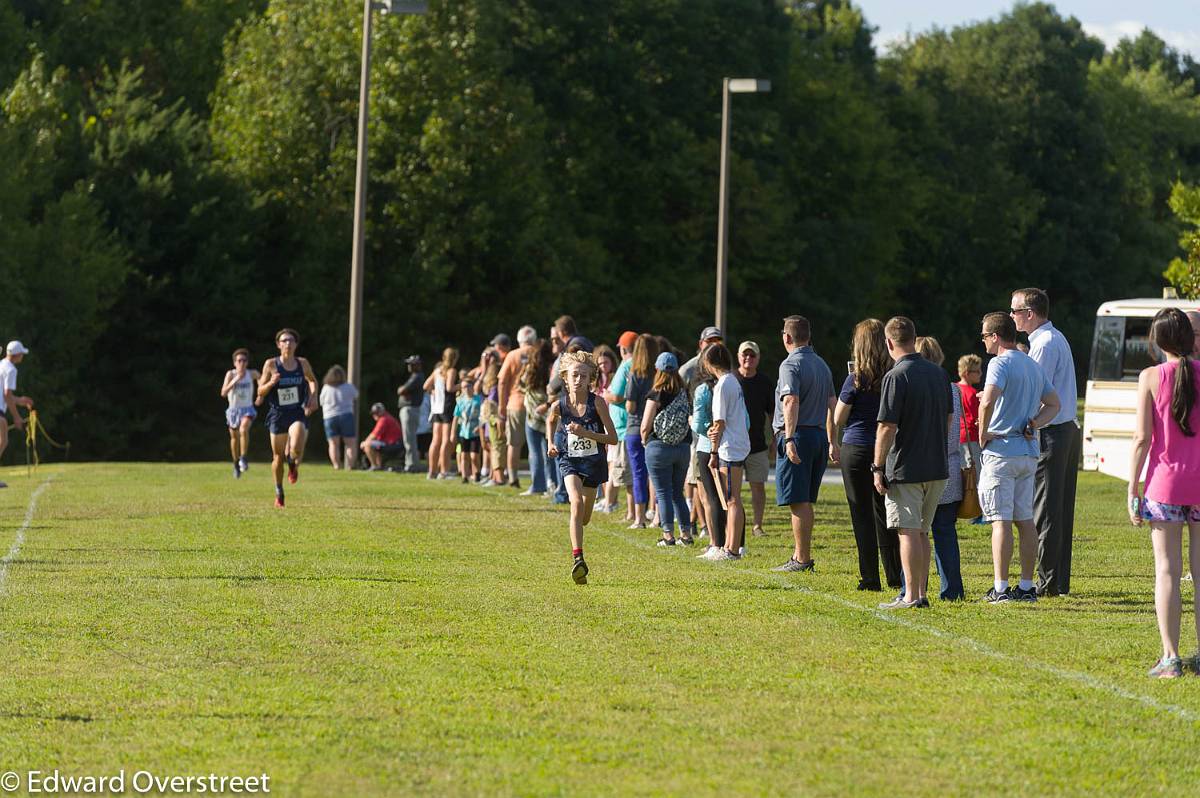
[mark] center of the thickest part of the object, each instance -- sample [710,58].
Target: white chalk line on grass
[15,548]
[984,649]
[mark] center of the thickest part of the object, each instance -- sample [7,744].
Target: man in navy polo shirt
[804,402]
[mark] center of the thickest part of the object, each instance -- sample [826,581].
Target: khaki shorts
[697,464]
[911,505]
[514,427]
[619,472]
[758,467]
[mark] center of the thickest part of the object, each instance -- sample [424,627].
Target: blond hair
[970,363]
[929,348]
[583,358]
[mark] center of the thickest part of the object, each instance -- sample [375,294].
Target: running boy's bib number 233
[580,447]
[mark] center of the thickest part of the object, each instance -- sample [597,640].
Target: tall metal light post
[354,350]
[728,86]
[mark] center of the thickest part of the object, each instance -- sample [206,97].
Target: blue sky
[1176,21]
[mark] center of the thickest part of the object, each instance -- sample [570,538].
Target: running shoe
[794,566]
[709,553]
[579,571]
[1028,596]
[1167,668]
[995,597]
[279,500]
[729,555]
[244,464]
[237,472]
[687,540]
[666,541]
[515,484]
[293,471]
[923,603]
[899,603]
[599,507]
[703,533]
[1192,663]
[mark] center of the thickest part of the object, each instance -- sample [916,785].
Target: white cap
[16,348]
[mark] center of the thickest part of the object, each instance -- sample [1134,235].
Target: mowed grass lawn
[385,635]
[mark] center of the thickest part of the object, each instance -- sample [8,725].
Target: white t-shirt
[8,382]
[337,400]
[729,405]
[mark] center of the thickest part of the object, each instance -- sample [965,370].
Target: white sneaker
[599,507]
[721,555]
[703,533]
[710,553]
[742,551]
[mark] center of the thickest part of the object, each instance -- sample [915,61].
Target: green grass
[385,635]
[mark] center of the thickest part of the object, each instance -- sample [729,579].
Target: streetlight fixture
[354,350]
[728,86]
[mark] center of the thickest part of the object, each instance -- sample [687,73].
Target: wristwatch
[876,469]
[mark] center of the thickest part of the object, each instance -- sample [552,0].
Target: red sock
[576,552]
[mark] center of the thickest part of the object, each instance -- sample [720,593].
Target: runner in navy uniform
[579,428]
[290,390]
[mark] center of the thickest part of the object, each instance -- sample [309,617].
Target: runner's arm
[313,388]
[552,430]
[227,385]
[268,379]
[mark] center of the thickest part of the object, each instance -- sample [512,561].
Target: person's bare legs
[1028,547]
[914,545]
[514,454]
[351,447]
[434,453]
[582,500]
[802,528]
[279,444]
[735,516]
[1194,561]
[447,449]
[758,501]
[4,433]
[1168,568]
[235,442]
[335,451]
[297,438]
[1002,546]
[244,435]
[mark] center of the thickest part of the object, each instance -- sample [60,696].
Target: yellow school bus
[1120,350]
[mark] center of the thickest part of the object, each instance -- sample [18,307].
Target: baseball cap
[378,408]
[711,332]
[666,362]
[16,348]
[627,339]
[413,360]
[753,347]
[502,340]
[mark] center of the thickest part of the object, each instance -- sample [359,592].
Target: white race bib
[581,447]
[289,396]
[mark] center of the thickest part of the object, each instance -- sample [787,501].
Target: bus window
[1137,353]
[1106,348]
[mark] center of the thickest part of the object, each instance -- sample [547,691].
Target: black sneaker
[872,586]
[923,603]
[1028,596]
[992,597]
[579,571]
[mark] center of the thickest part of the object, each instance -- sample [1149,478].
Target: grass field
[385,635]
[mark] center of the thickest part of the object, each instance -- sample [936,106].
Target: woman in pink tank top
[1167,443]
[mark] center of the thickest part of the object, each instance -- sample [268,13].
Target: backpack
[671,423]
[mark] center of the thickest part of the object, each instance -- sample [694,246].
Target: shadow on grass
[65,718]
[262,578]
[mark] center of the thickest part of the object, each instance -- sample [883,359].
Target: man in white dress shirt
[1061,445]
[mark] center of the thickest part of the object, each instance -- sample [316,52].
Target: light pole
[354,349]
[728,86]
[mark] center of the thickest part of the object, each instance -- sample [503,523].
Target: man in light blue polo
[804,402]
[1018,400]
[1062,444]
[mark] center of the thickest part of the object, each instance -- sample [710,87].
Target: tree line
[176,180]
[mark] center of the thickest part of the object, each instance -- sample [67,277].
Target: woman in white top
[337,408]
[443,383]
[238,388]
[730,437]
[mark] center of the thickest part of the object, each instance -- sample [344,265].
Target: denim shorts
[340,426]
[1170,513]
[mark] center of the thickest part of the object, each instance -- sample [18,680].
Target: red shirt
[969,430]
[387,429]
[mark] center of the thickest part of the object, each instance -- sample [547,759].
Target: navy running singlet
[290,394]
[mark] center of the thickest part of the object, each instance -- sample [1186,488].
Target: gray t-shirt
[690,372]
[805,375]
[915,396]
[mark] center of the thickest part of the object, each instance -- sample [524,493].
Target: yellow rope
[32,430]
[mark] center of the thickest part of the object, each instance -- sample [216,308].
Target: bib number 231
[580,447]
[289,396]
